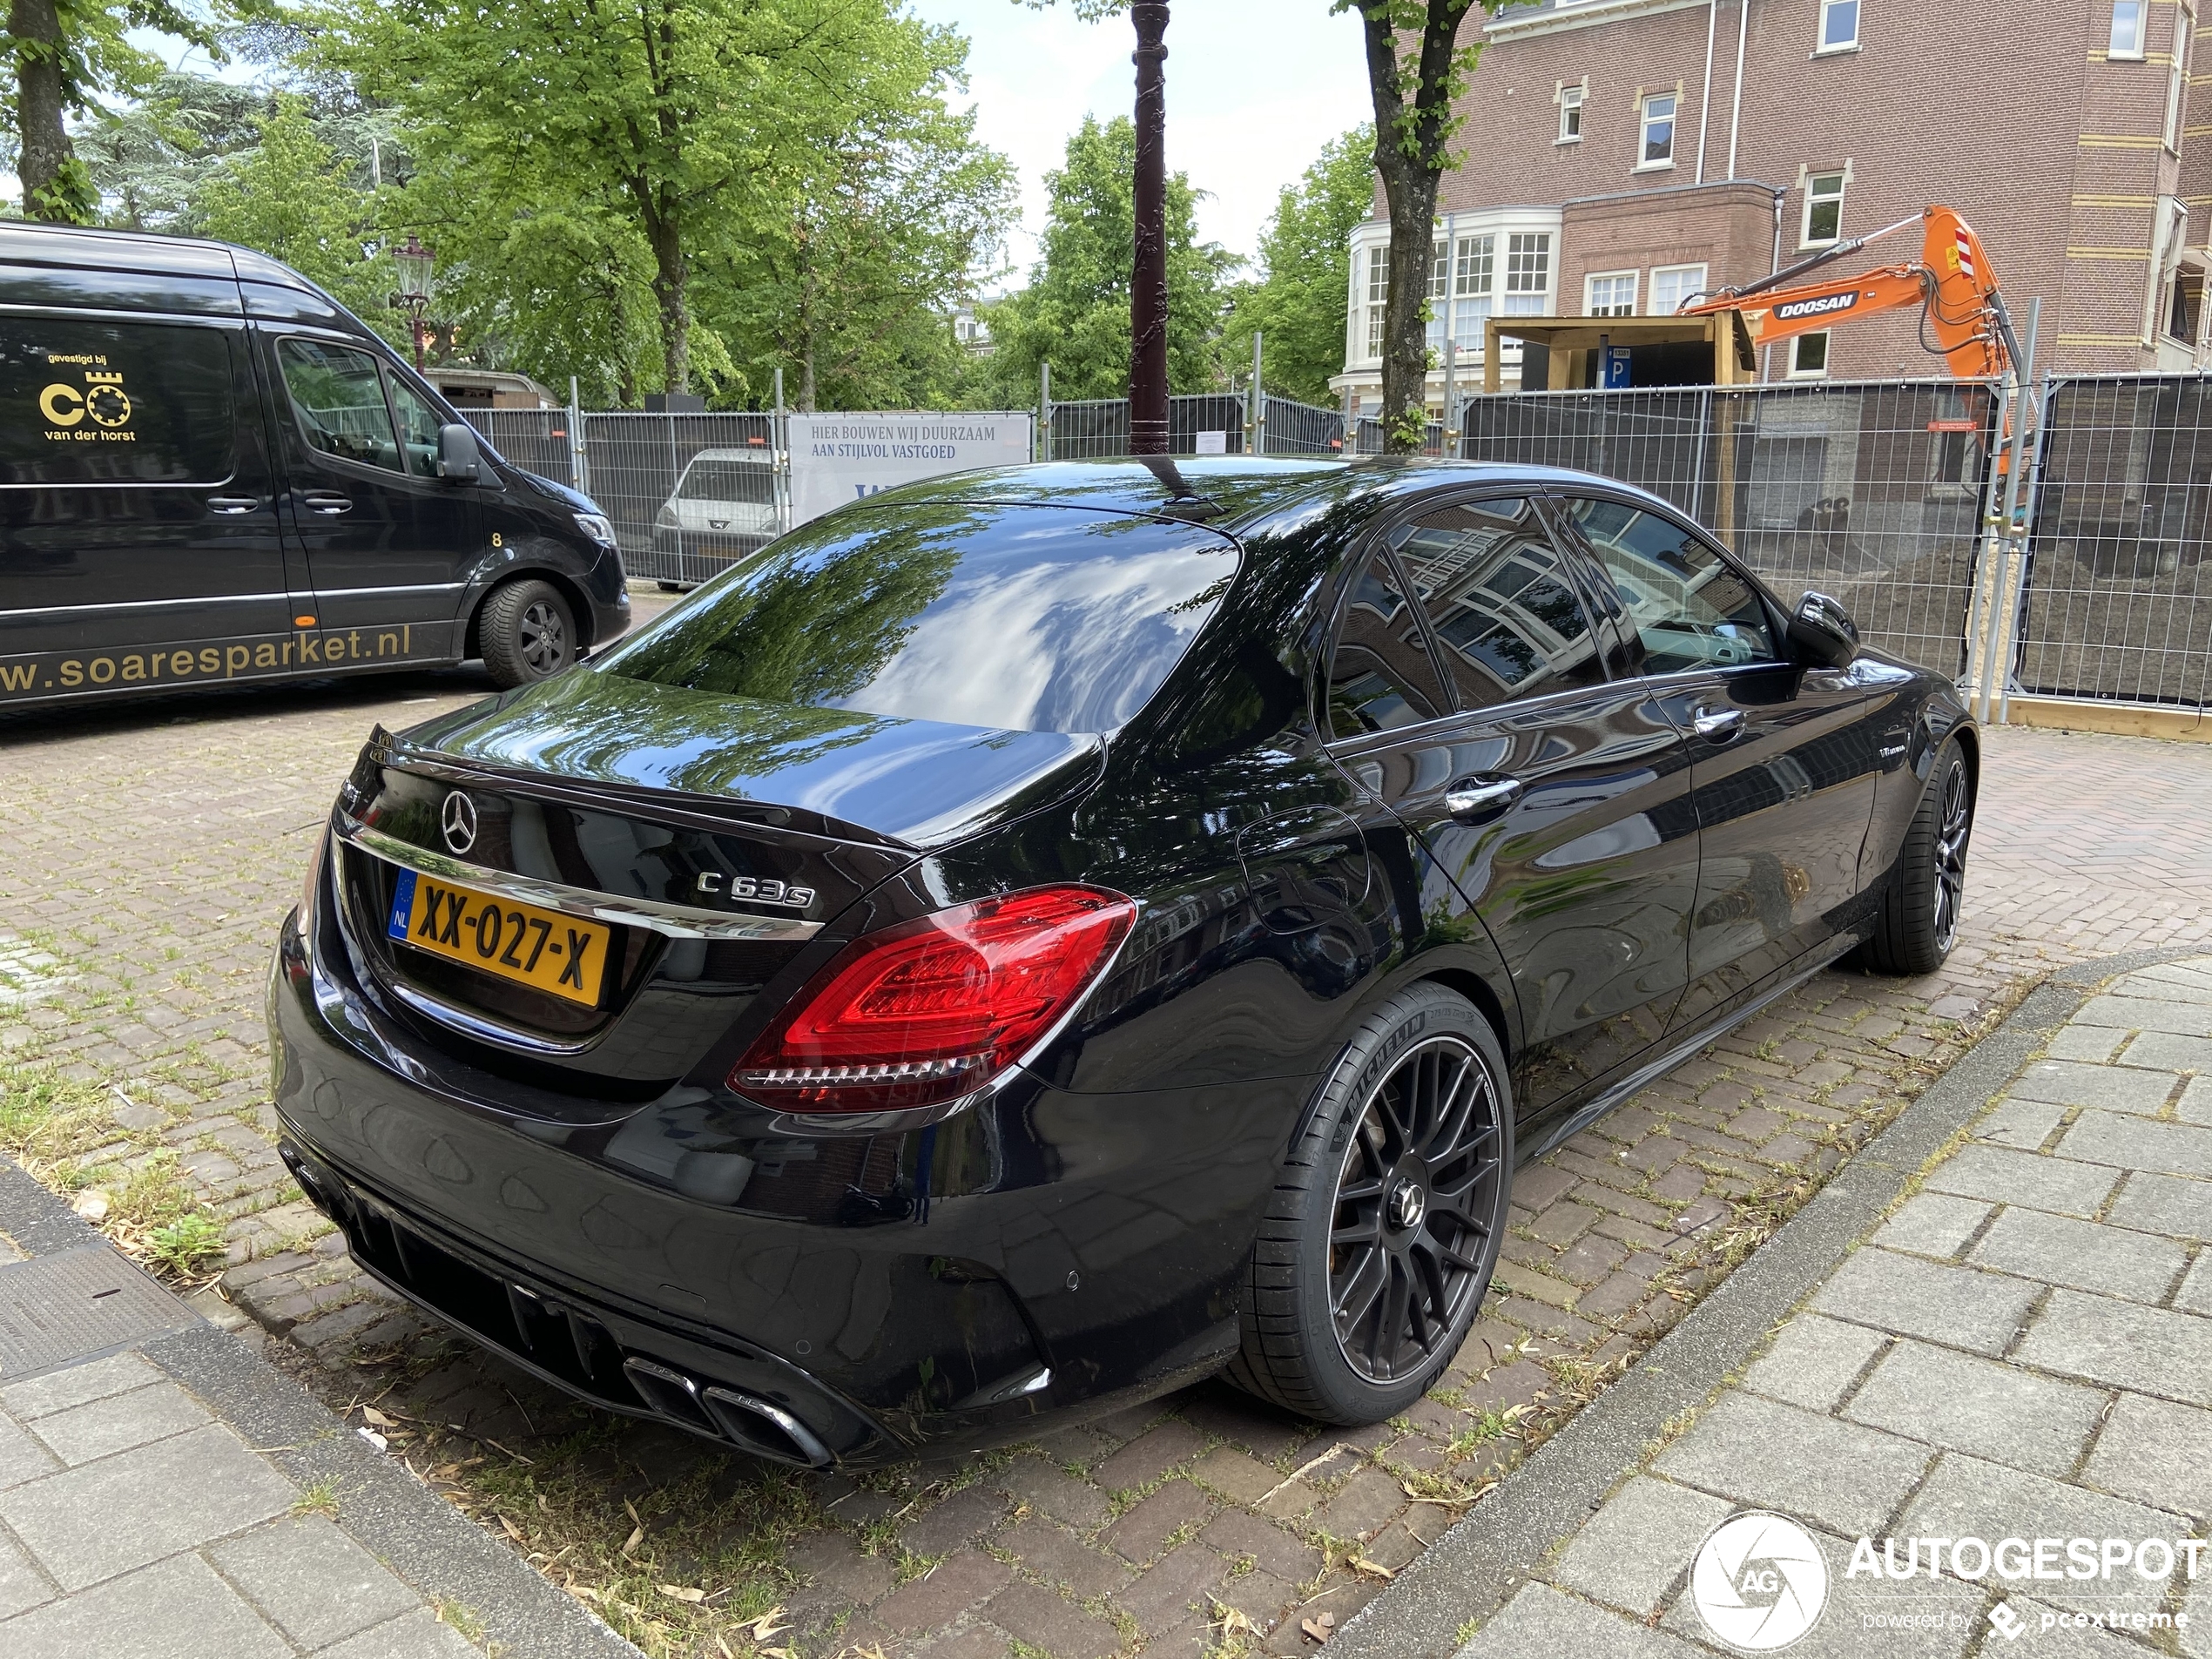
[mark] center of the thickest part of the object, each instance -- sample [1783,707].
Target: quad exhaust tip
[750,1423]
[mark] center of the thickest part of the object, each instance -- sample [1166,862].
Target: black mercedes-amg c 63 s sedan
[1028,940]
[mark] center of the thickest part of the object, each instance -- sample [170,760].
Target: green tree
[1416,71]
[662,134]
[290,198]
[62,58]
[1074,313]
[1298,304]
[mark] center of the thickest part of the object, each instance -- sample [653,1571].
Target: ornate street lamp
[415,261]
[1148,370]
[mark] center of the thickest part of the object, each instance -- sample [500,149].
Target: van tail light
[930,1010]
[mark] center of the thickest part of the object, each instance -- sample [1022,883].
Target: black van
[211,471]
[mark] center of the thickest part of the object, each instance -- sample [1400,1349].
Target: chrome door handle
[1717,725]
[1477,799]
[233,503]
[328,501]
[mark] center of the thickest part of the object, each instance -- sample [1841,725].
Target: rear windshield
[1024,619]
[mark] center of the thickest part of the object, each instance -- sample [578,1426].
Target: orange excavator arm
[1966,323]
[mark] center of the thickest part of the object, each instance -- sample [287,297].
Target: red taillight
[930,1010]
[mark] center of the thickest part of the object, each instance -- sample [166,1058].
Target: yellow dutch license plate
[562,955]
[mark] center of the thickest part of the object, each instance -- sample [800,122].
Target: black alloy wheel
[1377,1245]
[1415,1210]
[1917,922]
[527,633]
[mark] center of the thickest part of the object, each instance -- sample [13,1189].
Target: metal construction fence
[1886,494]
[1870,491]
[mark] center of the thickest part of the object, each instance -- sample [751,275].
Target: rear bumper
[1053,1253]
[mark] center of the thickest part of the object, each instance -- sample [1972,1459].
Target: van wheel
[1384,1227]
[527,633]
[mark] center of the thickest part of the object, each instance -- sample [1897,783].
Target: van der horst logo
[1759,1581]
[1827,304]
[100,399]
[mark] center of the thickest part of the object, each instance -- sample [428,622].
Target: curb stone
[1466,1574]
[440,1554]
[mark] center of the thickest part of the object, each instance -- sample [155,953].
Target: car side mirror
[459,460]
[1822,632]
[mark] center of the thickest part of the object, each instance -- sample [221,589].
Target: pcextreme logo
[95,409]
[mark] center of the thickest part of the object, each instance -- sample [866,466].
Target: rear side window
[338,400]
[1019,618]
[1380,677]
[114,402]
[1504,610]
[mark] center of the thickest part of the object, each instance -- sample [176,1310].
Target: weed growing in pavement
[320,1499]
[186,1247]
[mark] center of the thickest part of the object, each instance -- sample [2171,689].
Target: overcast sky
[1255,88]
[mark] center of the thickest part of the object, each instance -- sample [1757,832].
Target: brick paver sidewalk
[2023,1350]
[137,968]
[142,1515]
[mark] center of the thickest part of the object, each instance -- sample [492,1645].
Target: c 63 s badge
[713,884]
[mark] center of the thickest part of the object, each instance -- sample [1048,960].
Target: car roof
[1244,493]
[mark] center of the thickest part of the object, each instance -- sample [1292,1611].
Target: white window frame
[1634,278]
[1519,262]
[1573,99]
[1827,338]
[1377,297]
[1474,290]
[1696,284]
[1842,176]
[1822,45]
[1645,122]
[2139,11]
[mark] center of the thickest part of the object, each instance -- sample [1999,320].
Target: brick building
[1621,154]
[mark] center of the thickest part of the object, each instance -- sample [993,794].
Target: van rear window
[114,402]
[1022,618]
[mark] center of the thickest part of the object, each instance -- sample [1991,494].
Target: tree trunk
[55,188]
[1148,294]
[1410,155]
[671,292]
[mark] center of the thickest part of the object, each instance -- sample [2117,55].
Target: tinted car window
[114,402]
[1032,619]
[1380,673]
[338,399]
[1689,610]
[1502,607]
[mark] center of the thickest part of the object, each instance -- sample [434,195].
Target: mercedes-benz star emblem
[460,819]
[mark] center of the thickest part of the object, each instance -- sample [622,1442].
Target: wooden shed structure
[1562,354]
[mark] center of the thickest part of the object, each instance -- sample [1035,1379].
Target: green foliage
[186,1247]
[1300,302]
[289,197]
[1420,76]
[1076,311]
[635,190]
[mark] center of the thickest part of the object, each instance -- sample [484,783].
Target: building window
[1673,284]
[2128,28]
[1377,297]
[1658,131]
[2185,306]
[1473,297]
[1570,114]
[1823,208]
[1611,293]
[2177,81]
[1528,273]
[1838,25]
[1808,356]
[1440,287]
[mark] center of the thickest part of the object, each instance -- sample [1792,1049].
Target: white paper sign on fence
[836,458]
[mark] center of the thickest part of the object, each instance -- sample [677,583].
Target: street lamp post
[1147,368]
[414,262]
